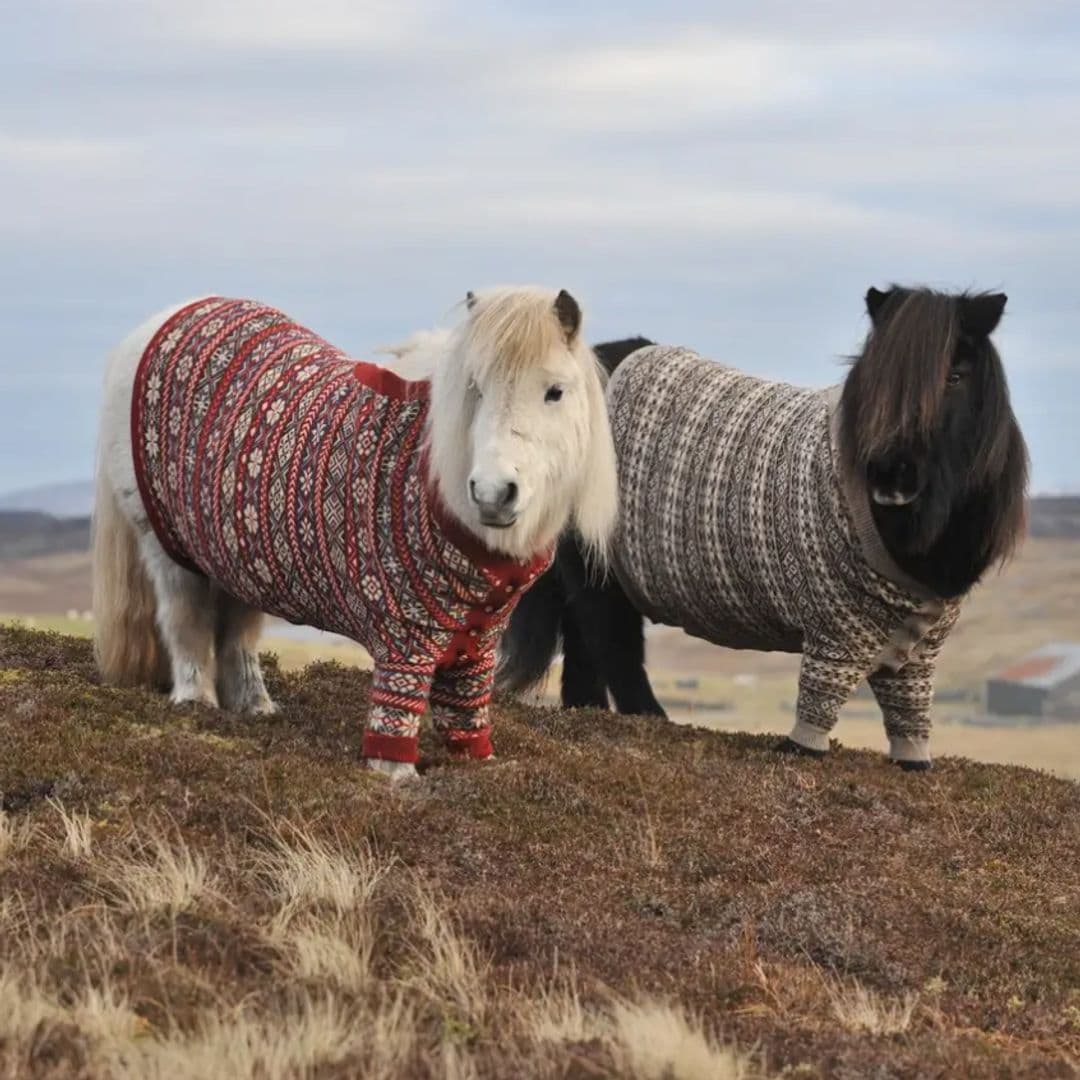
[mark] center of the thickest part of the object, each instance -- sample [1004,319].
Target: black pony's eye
[554,393]
[953,378]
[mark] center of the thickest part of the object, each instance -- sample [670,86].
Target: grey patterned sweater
[737,525]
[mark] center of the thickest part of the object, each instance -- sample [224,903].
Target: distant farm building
[1045,683]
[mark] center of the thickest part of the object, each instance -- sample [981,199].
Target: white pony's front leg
[399,693]
[397,771]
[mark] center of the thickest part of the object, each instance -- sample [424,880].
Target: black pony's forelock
[894,393]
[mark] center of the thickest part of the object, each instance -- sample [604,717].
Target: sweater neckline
[856,497]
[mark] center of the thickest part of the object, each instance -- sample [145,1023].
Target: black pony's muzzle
[895,480]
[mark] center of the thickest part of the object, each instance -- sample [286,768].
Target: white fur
[489,423]
[397,772]
[417,356]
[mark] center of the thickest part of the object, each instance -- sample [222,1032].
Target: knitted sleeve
[399,695]
[906,696]
[459,704]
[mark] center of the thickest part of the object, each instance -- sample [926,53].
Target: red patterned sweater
[295,478]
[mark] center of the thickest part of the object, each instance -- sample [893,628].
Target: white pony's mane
[511,329]
[418,355]
[506,330]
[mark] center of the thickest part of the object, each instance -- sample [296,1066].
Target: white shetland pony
[516,447]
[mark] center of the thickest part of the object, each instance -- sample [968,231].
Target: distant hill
[70,500]
[1053,516]
[27,534]
[1056,517]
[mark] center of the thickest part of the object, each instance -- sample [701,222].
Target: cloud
[681,77]
[270,26]
[59,153]
[661,82]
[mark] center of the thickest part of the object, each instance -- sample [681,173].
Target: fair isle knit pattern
[295,478]
[736,524]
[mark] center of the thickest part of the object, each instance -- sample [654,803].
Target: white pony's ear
[596,509]
[569,313]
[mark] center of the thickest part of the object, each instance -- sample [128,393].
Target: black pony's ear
[875,302]
[470,300]
[979,315]
[569,313]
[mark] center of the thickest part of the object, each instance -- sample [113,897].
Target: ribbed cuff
[810,737]
[474,743]
[392,747]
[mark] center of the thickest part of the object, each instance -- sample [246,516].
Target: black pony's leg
[623,647]
[582,685]
[603,633]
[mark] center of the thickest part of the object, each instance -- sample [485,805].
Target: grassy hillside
[197,894]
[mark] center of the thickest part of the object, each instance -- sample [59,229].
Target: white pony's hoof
[193,696]
[397,771]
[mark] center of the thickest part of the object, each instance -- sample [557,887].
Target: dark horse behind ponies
[847,525]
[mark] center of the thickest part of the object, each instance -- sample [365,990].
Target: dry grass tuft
[556,1015]
[104,1014]
[78,838]
[15,835]
[859,1009]
[310,871]
[449,971]
[337,948]
[317,1034]
[165,876]
[23,1010]
[656,1041]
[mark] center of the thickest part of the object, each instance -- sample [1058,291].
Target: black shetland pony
[924,418]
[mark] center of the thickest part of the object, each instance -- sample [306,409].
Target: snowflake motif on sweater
[296,479]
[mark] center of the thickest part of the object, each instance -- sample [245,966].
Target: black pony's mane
[894,397]
[612,353]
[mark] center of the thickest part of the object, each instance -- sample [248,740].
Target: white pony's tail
[126,644]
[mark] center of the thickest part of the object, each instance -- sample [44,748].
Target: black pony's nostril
[509,494]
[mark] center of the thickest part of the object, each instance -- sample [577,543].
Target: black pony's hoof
[915,766]
[788,745]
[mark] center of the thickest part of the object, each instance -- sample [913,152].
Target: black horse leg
[603,633]
[582,686]
[623,648]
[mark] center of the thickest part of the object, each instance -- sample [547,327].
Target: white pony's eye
[554,393]
[473,388]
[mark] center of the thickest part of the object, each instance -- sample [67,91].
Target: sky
[731,177]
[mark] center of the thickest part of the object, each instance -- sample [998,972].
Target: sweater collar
[514,574]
